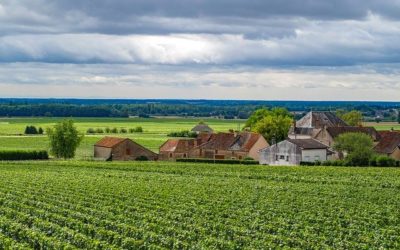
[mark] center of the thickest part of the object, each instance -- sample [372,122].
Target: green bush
[183,133]
[90,131]
[99,131]
[31,130]
[142,158]
[123,131]
[385,161]
[200,160]
[107,130]
[19,155]
[114,130]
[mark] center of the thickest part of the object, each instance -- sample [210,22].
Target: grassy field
[383,125]
[92,205]
[155,131]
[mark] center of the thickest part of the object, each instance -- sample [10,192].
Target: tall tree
[353,118]
[272,124]
[64,139]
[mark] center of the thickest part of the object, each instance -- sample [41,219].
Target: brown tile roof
[308,143]
[230,141]
[178,145]
[336,131]
[110,142]
[388,143]
[320,119]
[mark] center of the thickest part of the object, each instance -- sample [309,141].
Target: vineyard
[70,205]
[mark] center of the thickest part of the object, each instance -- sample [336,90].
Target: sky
[201,49]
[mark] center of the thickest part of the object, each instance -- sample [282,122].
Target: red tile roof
[308,143]
[109,142]
[388,143]
[178,145]
[230,141]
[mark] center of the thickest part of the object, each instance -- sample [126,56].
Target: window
[240,157]
[282,157]
[287,158]
[184,155]
[216,151]
[276,157]
[170,155]
[128,151]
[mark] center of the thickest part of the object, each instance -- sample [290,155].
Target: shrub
[31,130]
[183,133]
[248,158]
[99,130]
[123,131]
[107,130]
[19,155]
[139,129]
[142,158]
[385,161]
[114,130]
[201,160]
[90,131]
[40,131]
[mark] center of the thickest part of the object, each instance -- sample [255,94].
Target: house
[312,123]
[230,146]
[389,144]
[174,149]
[327,135]
[122,149]
[202,128]
[294,151]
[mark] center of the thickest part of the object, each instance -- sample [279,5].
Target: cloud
[330,43]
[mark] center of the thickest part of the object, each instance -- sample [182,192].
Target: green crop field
[155,131]
[155,205]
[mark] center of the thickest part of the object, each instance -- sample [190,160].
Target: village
[309,140]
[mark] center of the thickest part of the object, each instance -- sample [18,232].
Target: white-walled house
[294,151]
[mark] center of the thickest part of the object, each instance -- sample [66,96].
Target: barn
[122,149]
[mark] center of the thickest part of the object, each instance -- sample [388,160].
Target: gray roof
[202,128]
[308,143]
[320,119]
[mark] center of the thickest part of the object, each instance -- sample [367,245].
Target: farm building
[389,144]
[230,146]
[122,149]
[327,135]
[312,123]
[202,128]
[176,148]
[294,151]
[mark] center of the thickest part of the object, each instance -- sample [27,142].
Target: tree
[357,146]
[398,116]
[353,118]
[40,131]
[64,139]
[272,124]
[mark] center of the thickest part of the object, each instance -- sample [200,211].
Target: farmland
[158,205]
[155,131]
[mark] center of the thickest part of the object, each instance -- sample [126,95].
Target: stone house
[230,146]
[389,144]
[312,123]
[294,151]
[122,149]
[327,135]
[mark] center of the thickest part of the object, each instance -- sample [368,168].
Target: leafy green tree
[64,139]
[353,118]
[356,146]
[40,131]
[272,124]
[398,116]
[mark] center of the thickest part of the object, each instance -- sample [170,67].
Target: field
[55,205]
[155,131]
